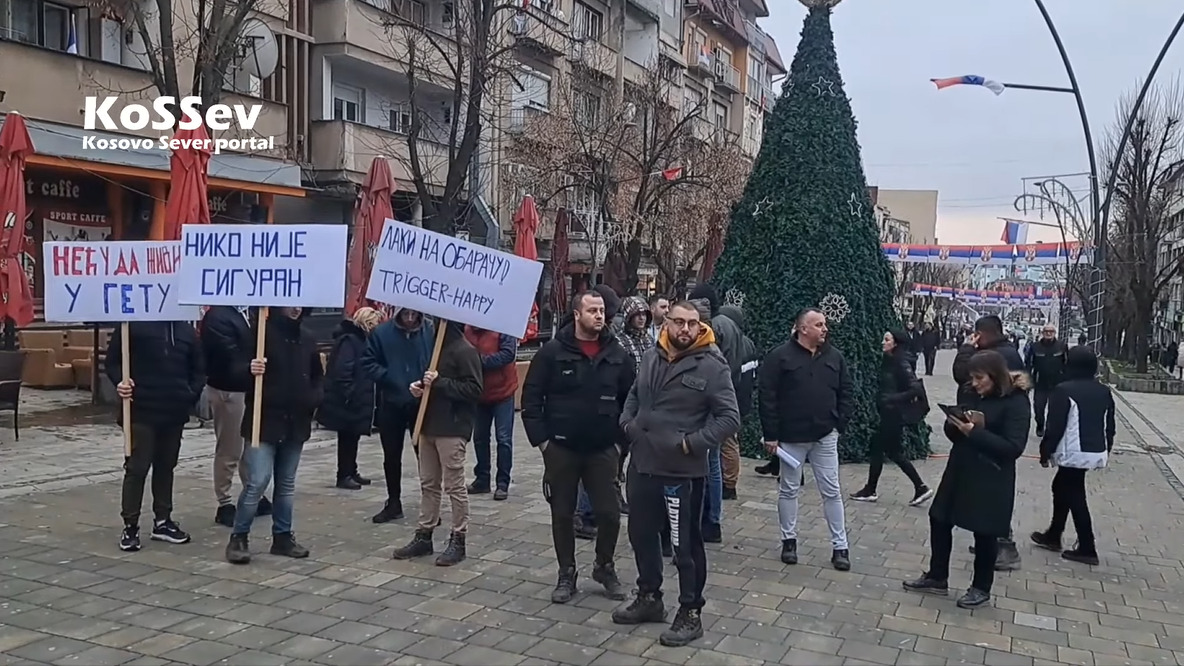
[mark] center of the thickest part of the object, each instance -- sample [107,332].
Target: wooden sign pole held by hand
[125,346]
[441,328]
[257,403]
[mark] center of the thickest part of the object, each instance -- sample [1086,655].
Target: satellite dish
[260,52]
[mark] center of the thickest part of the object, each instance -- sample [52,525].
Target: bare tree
[642,170]
[931,274]
[1143,201]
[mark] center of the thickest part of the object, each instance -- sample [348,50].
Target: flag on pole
[72,38]
[1015,232]
[970,80]
[672,174]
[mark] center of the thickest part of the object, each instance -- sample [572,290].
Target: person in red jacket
[496,408]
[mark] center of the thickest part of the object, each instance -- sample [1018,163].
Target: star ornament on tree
[856,205]
[835,307]
[824,86]
[760,207]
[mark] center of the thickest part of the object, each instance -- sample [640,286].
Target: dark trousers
[654,503]
[930,359]
[347,454]
[395,423]
[563,471]
[500,417]
[1068,498]
[941,544]
[155,449]
[888,443]
[1040,404]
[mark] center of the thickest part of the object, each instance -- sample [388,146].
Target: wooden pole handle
[441,327]
[125,346]
[257,403]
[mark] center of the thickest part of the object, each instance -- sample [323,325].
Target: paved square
[69,596]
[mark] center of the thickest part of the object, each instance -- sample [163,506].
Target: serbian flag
[1014,232]
[970,80]
[672,174]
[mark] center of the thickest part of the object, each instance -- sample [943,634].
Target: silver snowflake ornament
[835,307]
[824,86]
[734,297]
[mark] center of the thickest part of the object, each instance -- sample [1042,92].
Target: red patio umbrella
[715,247]
[189,182]
[526,225]
[16,300]
[560,260]
[371,211]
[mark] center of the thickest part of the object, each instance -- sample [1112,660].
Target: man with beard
[988,335]
[659,306]
[397,354]
[1046,364]
[681,407]
[571,403]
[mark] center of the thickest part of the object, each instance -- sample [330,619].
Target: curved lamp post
[1054,194]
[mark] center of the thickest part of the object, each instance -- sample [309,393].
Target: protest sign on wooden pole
[125,354]
[257,403]
[441,329]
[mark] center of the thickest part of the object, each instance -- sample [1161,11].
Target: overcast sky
[974,147]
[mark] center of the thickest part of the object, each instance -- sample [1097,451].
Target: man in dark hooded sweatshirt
[744,382]
[988,335]
[730,340]
[398,352]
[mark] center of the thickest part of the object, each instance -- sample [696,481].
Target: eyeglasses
[684,323]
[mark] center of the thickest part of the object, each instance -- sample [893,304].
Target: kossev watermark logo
[98,115]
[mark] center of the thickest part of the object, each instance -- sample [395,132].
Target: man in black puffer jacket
[167,377]
[1046,364]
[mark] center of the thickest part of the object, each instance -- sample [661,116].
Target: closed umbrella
[16,300]
[560,251]
[526,225]
[371,212]
[715,247]
[189,182]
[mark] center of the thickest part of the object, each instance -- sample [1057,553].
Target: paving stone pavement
[69,596]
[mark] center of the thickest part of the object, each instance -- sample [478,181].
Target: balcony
[348,149]
[726,75]
[522,118]
[366,31]
[44,84]
[541,30]
[700,58]
[592,55]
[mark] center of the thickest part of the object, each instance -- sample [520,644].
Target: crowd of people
[635,409]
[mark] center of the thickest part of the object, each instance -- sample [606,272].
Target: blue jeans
[713,498]
[501,417]
[263,462]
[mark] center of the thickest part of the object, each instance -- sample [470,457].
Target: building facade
[1169,320]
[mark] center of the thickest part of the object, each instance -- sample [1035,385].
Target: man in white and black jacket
[1078,437]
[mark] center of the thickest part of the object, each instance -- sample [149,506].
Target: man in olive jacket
[681,408]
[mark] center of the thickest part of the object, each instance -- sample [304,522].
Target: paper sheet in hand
[793,463]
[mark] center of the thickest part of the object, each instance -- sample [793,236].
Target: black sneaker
[167,530]
[129,539]
[927,585]
[225,515]
[501,494]
[285,545]
[789,551]
[771,468]
[864,494]
[1082,556]
[922,495]
[1046,541]
[973,599]
[606,575]
[840,559]
[643,609]
[264,507]
[390,511]
[687,626]
[238,550]
[729,493]
[348,483]
[1008,558]
[363,481]
[477,488]
[419,546]
[584,529]
[712,534]
[565,587]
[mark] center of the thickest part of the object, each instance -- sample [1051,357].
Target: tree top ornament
[820,4]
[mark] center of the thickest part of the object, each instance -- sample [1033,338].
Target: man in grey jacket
[681,408]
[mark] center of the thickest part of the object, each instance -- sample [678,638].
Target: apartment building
[1169,320]
[917,207]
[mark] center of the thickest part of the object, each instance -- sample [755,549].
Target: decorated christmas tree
[804,235]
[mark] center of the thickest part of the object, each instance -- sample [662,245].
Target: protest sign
[255,265]
[453,279]
[113,281]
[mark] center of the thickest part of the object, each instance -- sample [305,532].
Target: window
[720,115]
[722,55]
[412,11]
[399,119]
[535,90]
[347,103]
[670,7]
[587,108]
[756,68]
[41,23]
[447,14]
[691,101]
[588,23]
[446,113]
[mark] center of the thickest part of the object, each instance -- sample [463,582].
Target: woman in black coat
[901,401]
[348,407]
[977,490]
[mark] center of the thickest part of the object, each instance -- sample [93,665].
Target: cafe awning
[60,146]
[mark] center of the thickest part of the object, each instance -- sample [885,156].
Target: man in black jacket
[930,341]
[447,427]
[226,341]
[806,400]
[988,335]
[293,387]
[1046,364]
[571,403]
[165,383]
[914,343]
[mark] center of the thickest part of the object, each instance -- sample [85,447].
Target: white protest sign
[272,265]
[453,279]
[113,281]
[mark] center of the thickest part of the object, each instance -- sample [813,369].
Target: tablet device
[954,411]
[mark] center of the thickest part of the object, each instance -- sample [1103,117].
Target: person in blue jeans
[499,377]
[713,497]
[293,386]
